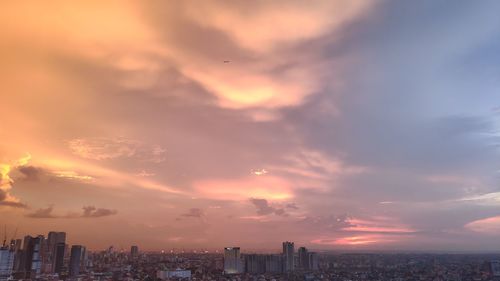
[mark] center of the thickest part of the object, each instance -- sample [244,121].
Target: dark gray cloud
[43,213]
[93,212]
[263,208]
[30,173]
[88,212]
[194,213]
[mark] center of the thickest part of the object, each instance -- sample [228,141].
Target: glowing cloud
[271,188]
[489,225]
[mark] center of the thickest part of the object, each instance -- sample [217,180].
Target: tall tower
[6,262]
[75,260]
[288,256]
[232,260]
[303,258]
[134,251]
[52,257]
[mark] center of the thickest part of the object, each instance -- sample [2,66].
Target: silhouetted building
[313,261]
[495,268]
[59,257]
[6,262]
[134,251]
[274,263]
[76,259]
[303,258]
[255,263]
[232,260]
[53,240]
[288,256]
[32,255]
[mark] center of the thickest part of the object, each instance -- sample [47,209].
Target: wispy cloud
[88,212]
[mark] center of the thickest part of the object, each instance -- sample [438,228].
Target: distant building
[255,263]
[178,273]
[59,257]
[134,251]
[51,257]
[288,256]
[313,261]
[232,260]
[303,258]
[6,262]
[274,263]
[76,260]
[495,268]
[31,263]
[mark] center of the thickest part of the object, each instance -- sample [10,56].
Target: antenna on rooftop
[4,235]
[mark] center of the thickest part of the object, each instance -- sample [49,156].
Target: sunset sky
[365,125]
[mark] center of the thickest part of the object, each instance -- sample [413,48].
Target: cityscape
[250,140]
[50,258]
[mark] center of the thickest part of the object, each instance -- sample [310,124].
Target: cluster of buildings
[39,255]
[286,262]
[51,259]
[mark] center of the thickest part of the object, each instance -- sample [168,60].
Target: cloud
[88,212]
[6,199]
[93,212]
[30,173]
[5,202]
[43,213]
[110,148]
[254,187]
[263,208]
[194,213]
[490,225]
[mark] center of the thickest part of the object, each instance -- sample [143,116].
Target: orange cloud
[489,225]
[350,240]
[384,225]
[267,187]
[116,34]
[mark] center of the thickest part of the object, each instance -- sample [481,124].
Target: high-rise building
[51,257]
[274,263]
[15,246]
[495,268]
[31,264]
[76,259]
[288,256]
[59,257]
[303,258]
[255,263]
[313,261]
[6,262]
[232,260]
[134,251]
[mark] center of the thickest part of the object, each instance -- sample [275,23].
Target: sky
[340,125]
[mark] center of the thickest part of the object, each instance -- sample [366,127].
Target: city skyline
[340,125]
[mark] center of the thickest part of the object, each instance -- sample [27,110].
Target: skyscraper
[32,255]
[76,259]
[288,256]
[59,257]
[232,260]
[255,263]
[53,239]
[134,251]
[274,263]
[303,258]
[313,261]
[6,262]
[36,262]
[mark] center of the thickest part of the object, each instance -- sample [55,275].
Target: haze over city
[339,125]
